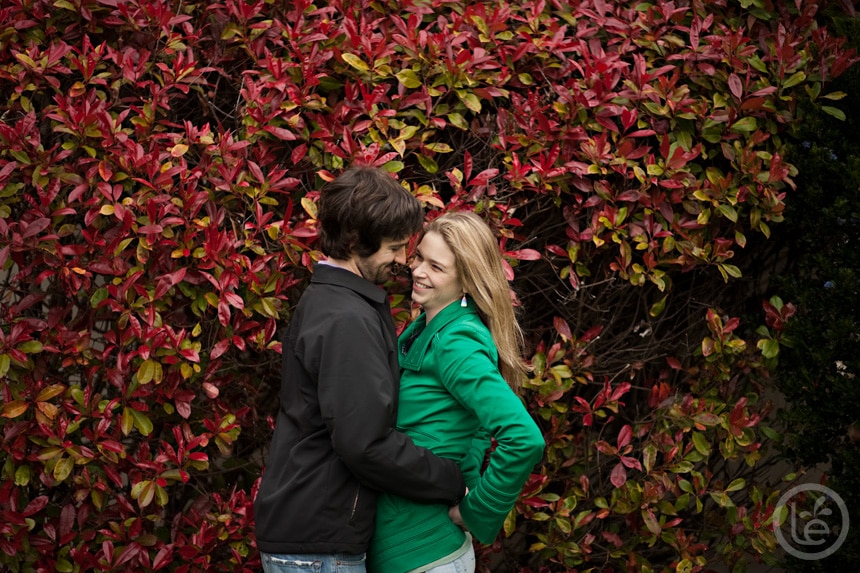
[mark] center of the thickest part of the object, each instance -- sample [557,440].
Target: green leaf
[701,444]
[649,455]
[126,421]
[795,79]
[745,125]
[393,166]
[457,120]
[658,307]
[770,348]
[409,79]
[834,111]
[98,296]
[731,270]
[269,307]
[758,64]
[728,212]
[428,163]
[30,347]
[5,362]
[141,422]
[722,499]
[150,370]
[737,484]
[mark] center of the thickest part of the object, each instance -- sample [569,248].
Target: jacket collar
[416,339]
[328,274]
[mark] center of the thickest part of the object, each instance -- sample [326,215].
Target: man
[334,444]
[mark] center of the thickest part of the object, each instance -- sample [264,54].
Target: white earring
[463,301]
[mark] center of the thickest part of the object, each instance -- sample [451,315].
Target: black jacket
[334,444]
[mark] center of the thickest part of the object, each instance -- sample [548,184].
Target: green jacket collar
[416,339]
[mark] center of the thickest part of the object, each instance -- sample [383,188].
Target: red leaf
[556,250]
[112,446]
[163,558]
[484,177]
[613,538]
[618,476]
[625,436]
[631,463]
[166,282]
[223,312]
[35,506]
[220,348]
[35,227]
[735,85]
[235,300]
[524,254]
[184,409]
[591,333]
[563,328]
[280,133]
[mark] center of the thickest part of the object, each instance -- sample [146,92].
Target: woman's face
[435,284]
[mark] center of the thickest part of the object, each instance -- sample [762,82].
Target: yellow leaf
[47,409]
[178,150]
[14,408]
[310,207]
[26,60]
[126,421]
[470,100]
[22,476]
[146,372]
[5,363]
[355,62]
[63,469]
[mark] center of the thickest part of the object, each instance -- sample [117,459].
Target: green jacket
[452,401]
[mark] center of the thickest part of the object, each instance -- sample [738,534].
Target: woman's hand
[454,515]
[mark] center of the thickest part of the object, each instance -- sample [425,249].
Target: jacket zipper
[354,505]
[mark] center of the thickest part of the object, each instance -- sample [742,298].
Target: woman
[460,363]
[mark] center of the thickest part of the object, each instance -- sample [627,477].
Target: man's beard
[377,274]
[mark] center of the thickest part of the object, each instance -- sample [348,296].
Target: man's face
[378,267]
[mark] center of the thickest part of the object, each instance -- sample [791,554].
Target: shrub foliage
[159,162]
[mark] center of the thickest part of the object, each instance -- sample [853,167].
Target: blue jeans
[464,564]
[313,563]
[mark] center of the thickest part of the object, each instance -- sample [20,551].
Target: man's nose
[400,256]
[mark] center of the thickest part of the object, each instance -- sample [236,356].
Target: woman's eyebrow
[430,260]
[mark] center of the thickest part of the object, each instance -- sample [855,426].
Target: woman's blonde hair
[480,271]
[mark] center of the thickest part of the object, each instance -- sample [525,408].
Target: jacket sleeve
[472,376]
[358,404]
[473,461]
